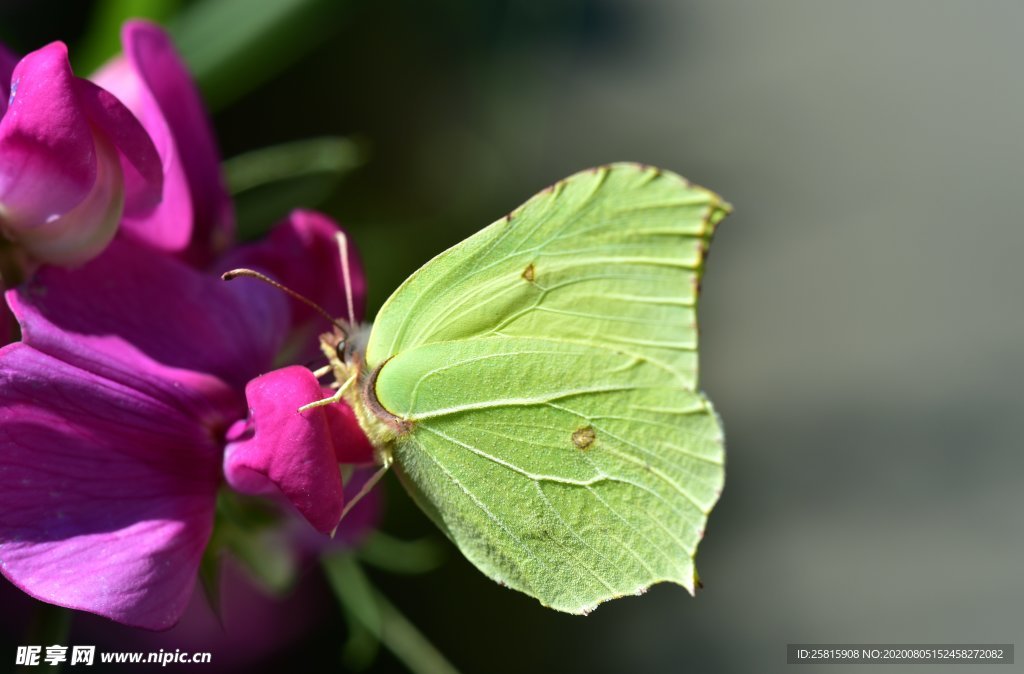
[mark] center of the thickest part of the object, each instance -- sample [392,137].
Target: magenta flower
[255,463]
[195,217]
[117,405]
[72,160]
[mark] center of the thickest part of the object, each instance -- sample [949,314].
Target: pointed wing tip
[718,204]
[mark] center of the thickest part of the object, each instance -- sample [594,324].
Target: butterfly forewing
[610,256]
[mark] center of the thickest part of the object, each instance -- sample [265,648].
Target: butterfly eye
[339,350]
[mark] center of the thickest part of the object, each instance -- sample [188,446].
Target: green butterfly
[535,388]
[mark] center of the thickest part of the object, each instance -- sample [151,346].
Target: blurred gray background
[861,316]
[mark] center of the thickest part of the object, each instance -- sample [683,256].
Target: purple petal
[287,449]
[153,82]
[133,302]
[8,60]
[302,253]
[253,628]
[107,490]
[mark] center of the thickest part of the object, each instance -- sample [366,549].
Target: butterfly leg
[332,399]
[365,489]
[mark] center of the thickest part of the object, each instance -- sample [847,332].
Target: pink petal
[359,522]
[169,226]
[132,301]
[153,82]
[107,490]
[350,442]
[302,253]
[140,163]
[82,232]
[288,450]
[47,158]
[70,156]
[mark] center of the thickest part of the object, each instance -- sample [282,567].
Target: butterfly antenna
[235,273]
[364,490]
[346,276]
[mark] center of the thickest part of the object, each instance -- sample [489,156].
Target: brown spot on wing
[530,273]
[583,438]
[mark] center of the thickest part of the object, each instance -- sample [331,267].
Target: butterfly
[535,390]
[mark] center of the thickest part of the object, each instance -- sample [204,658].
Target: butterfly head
[343,346]
[348,342]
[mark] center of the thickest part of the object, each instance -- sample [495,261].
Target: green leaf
[270,182]
[233,46]
[102,39]
[536,387]
[365,605]
[210,567]
[328,154]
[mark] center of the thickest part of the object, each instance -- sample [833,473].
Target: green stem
[398,556]
[49,626]
[380,617]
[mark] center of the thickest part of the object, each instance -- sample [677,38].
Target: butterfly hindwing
[589,476]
